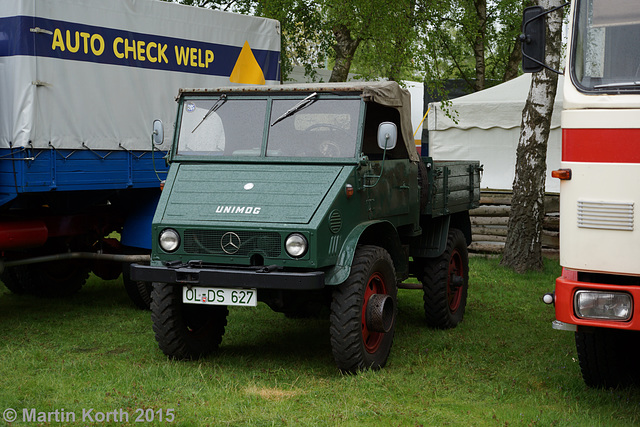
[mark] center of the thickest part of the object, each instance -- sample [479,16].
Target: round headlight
[296,245]
[169,240]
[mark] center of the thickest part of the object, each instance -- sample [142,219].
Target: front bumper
[564,303]
[195,274]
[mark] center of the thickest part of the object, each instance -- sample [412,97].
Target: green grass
[503,365]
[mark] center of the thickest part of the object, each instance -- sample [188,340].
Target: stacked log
[490,221]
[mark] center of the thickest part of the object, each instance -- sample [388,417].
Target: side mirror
[158,132]
[533,39]
[387,135]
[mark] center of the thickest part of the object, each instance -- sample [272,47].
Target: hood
[257,193]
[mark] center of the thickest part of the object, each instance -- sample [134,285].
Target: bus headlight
[603,305]
[296,245]
[169,240]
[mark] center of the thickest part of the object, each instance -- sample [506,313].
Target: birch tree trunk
[523,249]
[479,43]
[345,48]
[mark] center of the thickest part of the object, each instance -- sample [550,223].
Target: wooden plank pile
[489,223]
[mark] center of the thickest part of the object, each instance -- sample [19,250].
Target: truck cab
[301,197]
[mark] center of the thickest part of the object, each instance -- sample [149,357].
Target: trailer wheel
[61,279]
[445,282]
[13,280]
[363,312]
[50,279]
[185,331]
[607,356]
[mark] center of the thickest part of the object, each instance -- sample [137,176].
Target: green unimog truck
[305,197]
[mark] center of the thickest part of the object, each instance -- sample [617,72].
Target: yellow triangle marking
[247,70]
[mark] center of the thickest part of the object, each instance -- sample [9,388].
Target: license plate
[220,296]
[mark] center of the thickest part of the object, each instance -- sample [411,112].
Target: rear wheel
[363,312]
[13,279]
[62,278]
[607,356]
[49,279]
[445,282]
[185,331]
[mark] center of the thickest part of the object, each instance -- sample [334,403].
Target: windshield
[323,128]
[606,52]
[222,127]
[310,126]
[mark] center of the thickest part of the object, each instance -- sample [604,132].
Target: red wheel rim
[371,339]
[454,292]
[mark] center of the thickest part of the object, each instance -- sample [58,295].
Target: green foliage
[452,29]
[503,365]
[404,39]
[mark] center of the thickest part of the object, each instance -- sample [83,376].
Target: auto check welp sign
[82,42]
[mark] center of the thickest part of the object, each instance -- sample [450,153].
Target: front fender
[379,233]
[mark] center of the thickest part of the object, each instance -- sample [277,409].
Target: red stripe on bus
[601,145]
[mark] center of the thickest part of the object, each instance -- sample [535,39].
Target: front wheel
[139,292]
[445,282]
[363,312]
[607,356]
[185,331]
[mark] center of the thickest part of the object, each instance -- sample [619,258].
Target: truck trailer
[80,84]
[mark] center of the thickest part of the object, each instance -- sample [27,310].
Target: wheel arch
[462,221]
[433,241]
[378,233]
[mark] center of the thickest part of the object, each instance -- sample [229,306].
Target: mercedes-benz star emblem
[230,243]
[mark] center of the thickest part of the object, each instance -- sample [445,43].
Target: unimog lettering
[346,211]
[238,210]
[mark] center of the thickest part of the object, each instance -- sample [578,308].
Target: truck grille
[240,243]
[605,215]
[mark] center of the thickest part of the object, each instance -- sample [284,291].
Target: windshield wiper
[299,106]
[213,109]
[619,84]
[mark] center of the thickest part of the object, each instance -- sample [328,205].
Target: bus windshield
[606,53]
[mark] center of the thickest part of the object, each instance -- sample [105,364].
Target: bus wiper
[213,109]
[619,84]
[299,106]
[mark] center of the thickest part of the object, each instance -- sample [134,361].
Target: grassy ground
[503,365]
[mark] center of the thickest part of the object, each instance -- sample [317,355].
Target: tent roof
[499,106]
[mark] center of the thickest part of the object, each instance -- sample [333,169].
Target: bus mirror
[533,39]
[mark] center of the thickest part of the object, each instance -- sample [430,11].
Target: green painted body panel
[248,193]
[454,187]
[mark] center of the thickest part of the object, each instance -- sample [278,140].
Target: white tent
[486,127]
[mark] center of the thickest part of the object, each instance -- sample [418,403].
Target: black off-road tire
[354,347]
[607,357]
[59,279]
[12,277]
[50,279]
[445,282]
[139,292]
[185,331]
